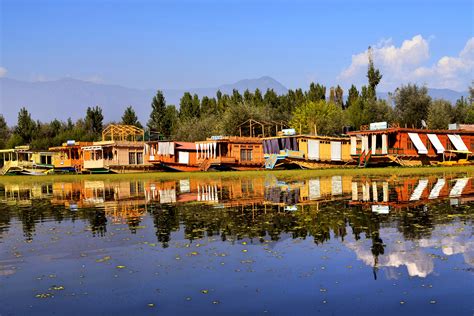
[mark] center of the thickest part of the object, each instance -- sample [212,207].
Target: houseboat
[172,156]
[69,156]
[120,151]
[22,160]
[230,153]
[384,144]
[306,151]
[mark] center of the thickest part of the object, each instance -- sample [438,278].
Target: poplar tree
[25,127]
[129,117]
[158,106]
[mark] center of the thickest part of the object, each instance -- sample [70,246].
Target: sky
[197,44]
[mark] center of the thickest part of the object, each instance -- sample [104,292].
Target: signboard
[378,125]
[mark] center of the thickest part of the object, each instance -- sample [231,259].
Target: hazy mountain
[70,97]
[446,94]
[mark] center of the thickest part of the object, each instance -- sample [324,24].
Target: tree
[25,127]
[439,114]
[352,97]
[332,95]
[459,111]
[158,105]
[4,132]
[373,76]
[187,107]
[257,98]
[339,96]
[169,120]
[130,118]
[316,92]
[94,121]
[411,105]
[320,117]
[271,99]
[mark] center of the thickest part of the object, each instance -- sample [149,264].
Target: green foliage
[373,76]
[194,128]
[316,92]
[129,117]
[25,127]
[460,110]
[411,105]
[4,132]
[170,120]
[238,114]
[158,105]
[322,117]
[189,106]
[94,121]
[339,96]
[14,140]
[439,114]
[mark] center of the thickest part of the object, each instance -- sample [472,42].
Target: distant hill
[70,97]
[446,94]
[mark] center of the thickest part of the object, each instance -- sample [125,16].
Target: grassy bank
[281,174]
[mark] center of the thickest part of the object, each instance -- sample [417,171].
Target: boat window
[132,158]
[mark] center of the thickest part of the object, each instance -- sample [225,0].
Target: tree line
[312,111]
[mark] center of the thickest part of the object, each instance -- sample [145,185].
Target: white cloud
[407,63]
[3,71]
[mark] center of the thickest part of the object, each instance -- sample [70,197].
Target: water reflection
[391,222]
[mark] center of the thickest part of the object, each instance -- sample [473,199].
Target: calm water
[336,245]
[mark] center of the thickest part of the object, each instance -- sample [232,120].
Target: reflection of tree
[416,223]
[165,221]
[98,221]
[321,221]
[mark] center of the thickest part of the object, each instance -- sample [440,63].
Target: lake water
[252,245]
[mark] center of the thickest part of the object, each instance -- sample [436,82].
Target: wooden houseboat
[383,144]
[22,160]
[306,151]
[118,152]
[69,156]
[172,156]
[230,153]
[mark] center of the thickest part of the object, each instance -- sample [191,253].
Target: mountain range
[69,97]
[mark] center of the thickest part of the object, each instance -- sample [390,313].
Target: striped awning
[415,138]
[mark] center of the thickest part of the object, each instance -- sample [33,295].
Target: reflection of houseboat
[381,144]
[409,191]
[172,156]
[230,153]
[306,151]
[320,189]
[69,156]
[22,160]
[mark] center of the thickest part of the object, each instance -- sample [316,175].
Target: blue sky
[184,44]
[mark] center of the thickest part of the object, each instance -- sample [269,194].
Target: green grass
[281,174]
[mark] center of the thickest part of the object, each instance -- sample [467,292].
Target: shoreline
[283,174]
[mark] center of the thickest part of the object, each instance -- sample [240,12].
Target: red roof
[185,146]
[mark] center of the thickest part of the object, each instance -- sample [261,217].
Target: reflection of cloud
[453,239]
[417,262]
